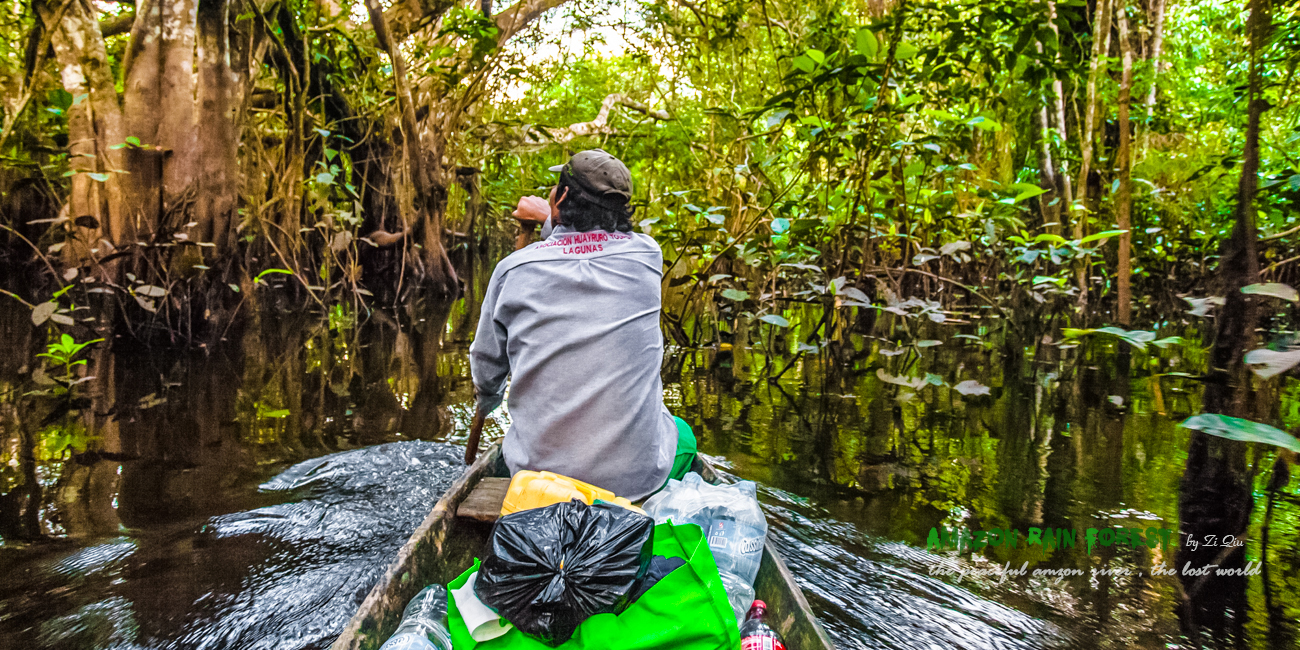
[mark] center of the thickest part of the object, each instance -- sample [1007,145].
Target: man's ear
[555,207]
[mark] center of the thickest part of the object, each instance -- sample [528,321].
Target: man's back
[575,320]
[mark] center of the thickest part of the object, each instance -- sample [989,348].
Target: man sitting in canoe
[574,321]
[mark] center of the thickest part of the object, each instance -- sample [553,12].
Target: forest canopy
[986,154]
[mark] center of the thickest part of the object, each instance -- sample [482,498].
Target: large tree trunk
[1124,156]
[1088,131]
[94,121]
[179,98]
[159,106]
[218,144]
[1215,492]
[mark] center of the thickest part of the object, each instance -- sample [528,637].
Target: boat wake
[284,576]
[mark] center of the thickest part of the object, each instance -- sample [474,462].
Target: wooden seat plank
[484,503]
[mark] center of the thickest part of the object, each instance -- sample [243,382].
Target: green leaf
[1027,191]
[1099,236]
[735,294]
[915,383]
[854,293]
[780,225]
[1232,428]
[773,319]
[325,178]
[804,63]
[43,312]
[271,271]
[905,51]
[60,98]
[277,413]
[867,45]
[816,55]
[1273,362]
[1135,338]
[953,247]
[971,387]
[99,176]
[984,124]
[928,343]
[940,115]
[1272,289]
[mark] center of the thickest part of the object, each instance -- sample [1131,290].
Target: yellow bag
[530,490]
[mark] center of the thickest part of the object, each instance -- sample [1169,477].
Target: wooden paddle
[475,431]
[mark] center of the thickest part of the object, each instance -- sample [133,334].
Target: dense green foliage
[786,149]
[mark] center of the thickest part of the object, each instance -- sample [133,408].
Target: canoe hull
[444,545]
[439,549]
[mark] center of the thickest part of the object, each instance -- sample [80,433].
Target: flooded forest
[931,268]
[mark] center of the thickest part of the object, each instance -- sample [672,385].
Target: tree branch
[405,17]
[119,24]
[515,18]
[598,126]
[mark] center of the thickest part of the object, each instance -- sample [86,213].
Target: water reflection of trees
[1063,441]
[174,437]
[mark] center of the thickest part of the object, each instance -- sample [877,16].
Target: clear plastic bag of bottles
[733,523]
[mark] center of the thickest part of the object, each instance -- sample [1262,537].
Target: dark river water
[249,495]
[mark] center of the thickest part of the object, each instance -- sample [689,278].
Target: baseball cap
[603,179]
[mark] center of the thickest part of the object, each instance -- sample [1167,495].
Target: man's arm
[488,364]
[531,212]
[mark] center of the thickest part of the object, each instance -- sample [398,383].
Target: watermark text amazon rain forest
[1090,539]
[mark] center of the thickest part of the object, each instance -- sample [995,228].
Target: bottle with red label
[757,635]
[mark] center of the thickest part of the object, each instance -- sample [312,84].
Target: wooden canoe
[445,544]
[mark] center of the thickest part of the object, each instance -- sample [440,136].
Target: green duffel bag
[686,610]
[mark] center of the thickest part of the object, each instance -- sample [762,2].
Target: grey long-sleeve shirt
[574,320]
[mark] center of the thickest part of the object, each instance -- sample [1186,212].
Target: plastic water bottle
[736,534]
[424,624]
[739,593]
[756,634]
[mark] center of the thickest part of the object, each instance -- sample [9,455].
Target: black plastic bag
[548,569]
